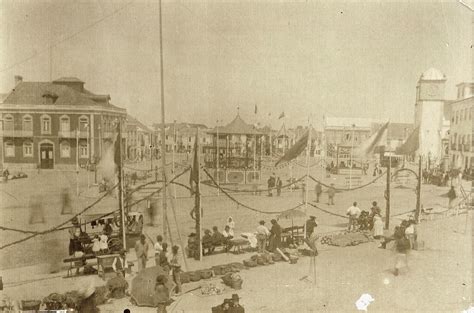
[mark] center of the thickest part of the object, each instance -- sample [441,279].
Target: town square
[162,156]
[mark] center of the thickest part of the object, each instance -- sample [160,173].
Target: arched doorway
[46,155]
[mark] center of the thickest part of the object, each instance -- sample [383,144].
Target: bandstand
[235,155]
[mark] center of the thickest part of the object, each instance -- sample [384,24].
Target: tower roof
[432,74]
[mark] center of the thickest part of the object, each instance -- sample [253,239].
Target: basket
[277,257]
[236,284]
[250,263]
[30,305]
[260,260]
[237,265]
[293,260]
[194,276]
[205,274]
[184,278]
[217,270]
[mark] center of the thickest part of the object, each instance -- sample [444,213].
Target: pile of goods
[72,299]
[346,239]
[217,270]
[117,287]
[232,280]
[261,259]
[211,289]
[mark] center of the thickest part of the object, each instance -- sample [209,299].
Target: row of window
[462,115]
[464,139]
[64,149]
[45,120]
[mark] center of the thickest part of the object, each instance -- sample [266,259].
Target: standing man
[175,269]
[353,212]
[158,248]
[451,197]
[279,184]
[319,191]
[262,235]
[141,250]
[331,193]
[310,225]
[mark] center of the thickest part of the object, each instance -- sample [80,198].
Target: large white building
[461,147]
[432,115]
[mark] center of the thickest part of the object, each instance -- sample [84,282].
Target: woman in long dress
[378,226]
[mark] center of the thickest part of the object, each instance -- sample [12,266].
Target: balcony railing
[16,133]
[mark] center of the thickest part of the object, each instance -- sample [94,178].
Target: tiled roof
[133,121]
[347,122]
[238,127]
[32,93]
[68,80]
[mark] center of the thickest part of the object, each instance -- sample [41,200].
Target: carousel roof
[237,127]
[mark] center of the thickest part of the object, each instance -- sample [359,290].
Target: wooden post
[418,193]
[387,195]
[163,129]
[120,186]
[197,199]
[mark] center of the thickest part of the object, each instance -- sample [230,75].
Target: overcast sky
[340,59]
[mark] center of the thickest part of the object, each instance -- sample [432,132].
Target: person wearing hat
[310,225]
[235,306]
[141,250]
[88,302]
[207,242]
[262,236]
[331,193]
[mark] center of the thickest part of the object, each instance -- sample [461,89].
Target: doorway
[46,156]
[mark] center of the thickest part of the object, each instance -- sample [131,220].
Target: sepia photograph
[189,156]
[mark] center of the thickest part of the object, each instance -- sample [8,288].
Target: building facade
[432,115]
[139,140]
[56,124]
[461,139]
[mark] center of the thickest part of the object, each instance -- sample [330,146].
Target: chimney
[18,79]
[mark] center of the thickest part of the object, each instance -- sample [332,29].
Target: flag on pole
[411,145]
[282,115]
[379,138]
[295,150]
[194,175]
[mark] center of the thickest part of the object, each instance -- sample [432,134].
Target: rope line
[350,189]
[257,190]
[61,224]
[240,203]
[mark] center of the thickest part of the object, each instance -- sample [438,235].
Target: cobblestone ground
[439,279]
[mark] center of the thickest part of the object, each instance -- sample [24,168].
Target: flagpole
[352,148]
[120,177]
[173,161]
[308,145]
[198,197]
[217,155]
[77,162]
[163,130]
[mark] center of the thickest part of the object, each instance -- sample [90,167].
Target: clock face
[432,90]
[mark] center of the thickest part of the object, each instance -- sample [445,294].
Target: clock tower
[429,113]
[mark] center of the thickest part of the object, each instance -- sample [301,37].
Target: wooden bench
[76,263]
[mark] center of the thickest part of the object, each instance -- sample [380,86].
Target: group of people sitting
[215,239]
[364,220]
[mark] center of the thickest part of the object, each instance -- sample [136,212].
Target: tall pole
[197,198]
[88,155]
[173,161]
[352,148]
[418,193]
[217,154]
[163,130]
[387,209]
[120,178]
[77,162]
[308,145]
